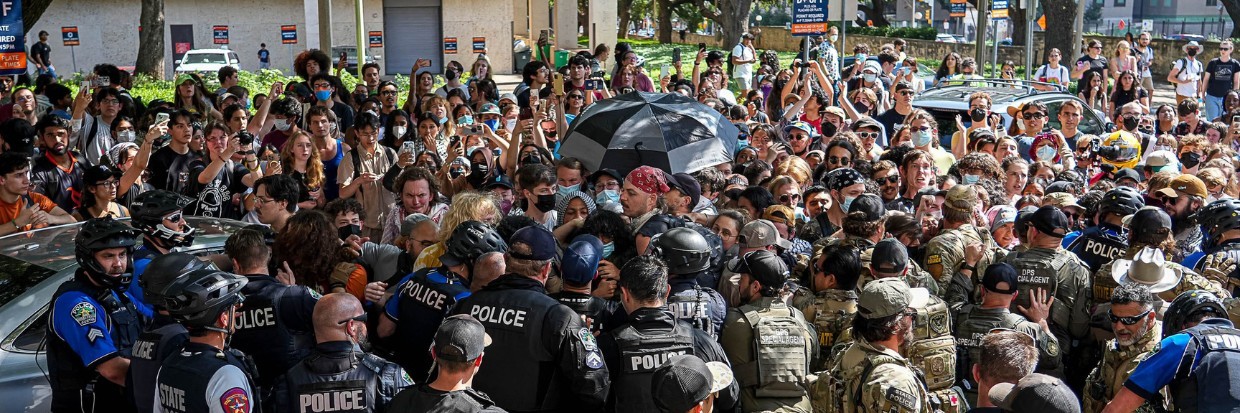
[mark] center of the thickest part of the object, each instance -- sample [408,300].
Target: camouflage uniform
[746,354]
[1117,363]
[831,312]
[975,324]
[1065,277]
[891,384]
[945,255]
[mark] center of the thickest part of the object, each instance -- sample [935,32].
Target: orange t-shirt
[9,212]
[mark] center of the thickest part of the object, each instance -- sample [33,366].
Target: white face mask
[126,136]
[282,125]
[399,131]
[834,38]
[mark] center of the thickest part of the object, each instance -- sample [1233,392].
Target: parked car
[207,61]
[923,72]
[32,266]
[1185,36]
[350,52]
[945,38]
[946,102]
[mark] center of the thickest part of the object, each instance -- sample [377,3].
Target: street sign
[959,8]
[449,45]
[999,9]
[1147,25]
[70,36]
[220,34]
[288,34]
[480,45]
[12,40]
[376,39]
[809,17]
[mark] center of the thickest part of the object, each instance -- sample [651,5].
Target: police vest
[585,304]
[640,355]
[263,333]
[185,378]
[833,312]
[783,356]
[148,354]
[693,306]
[72,381]
[1097,246]
[360,383]
[1208,371]
[424,300]
[974,326]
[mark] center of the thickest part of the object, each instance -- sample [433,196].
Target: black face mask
[477,175]
[977,115]
[1190,159]
[531,159]
[1130,122]
[1192,52]
[829,129]
[545,203]
[861,108]
[347,230]
[450,74]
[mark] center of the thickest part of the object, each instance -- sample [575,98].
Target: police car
[32,266]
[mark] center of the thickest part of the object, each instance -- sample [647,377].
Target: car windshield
[17,276]
[209,58]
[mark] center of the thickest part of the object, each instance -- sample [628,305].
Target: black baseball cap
[99,173]
[500,181]
[1128,173]
[1147,220]
[1022,218]
[1051,221]
[684,381]
[686,185]
[869,204]
[1000,273]
[541,242]
[460,338]
[605,171]
[890,257]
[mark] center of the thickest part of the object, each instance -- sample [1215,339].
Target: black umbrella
[665,130]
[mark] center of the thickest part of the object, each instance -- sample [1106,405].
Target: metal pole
[994,67]
[325,27]
[73,52]
[983,20]
[1029,25]
[358,13]
[843,36]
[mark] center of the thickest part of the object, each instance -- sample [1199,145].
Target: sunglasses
[798,137]
[786,198]
[361,318]
[1128,320]
[838,160]
[868,135]
[176,217]
[1034,115]
[890,179]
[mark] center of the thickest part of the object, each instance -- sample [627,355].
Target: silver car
[32,267]
[947,102]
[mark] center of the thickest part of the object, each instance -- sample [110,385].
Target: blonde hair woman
[466,206]
[300,159]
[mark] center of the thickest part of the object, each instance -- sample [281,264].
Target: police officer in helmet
[578,268]
[206,376]
[164,336]
[338,375]
[1220,220]
[687,254]
[557,357]
[422,299]
[1198,360]
[274,324]
[94,322]
[652,335]
[158,214]
[1101,243]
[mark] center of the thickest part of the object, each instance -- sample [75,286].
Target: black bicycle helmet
[684,250]
[148,211]
[1219,217]
[166,269]
[197,299]
[100,234]
[469,241]
[1121,200]
[1187,305]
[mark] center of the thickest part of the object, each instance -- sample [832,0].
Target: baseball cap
[961,198]
[580,262]
[460,338]
[685,380]
[508,96]
[605,171]
[886,297]
[762,265]
[489,109]
[1127,173]
[1061,200]
[835,110]
[410,222]
[761,233]
[1146,221]
[870,205]
[1022,218]
[1186,183]
[807,128]
[1060,186]
[686,185]
[499,181]
[541,242]
[1035,393]
[99,173]
[1050,220]
[1000,273]
[780,214]
[889,258]
[1161,159]
[182,78]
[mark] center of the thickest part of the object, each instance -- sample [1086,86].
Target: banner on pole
[809,17]
[12,39]
[288,34]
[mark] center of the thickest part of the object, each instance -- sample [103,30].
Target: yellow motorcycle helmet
[1120,149]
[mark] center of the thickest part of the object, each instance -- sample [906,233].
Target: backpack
[729,62]
[783,356]
[357,159]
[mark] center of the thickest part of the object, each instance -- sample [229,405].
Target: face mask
[861,107]
[971,179]
[510,124]
[1046,153]
[347,230]
[869,78]
[766,90]
[565,190]
[829,129]
[399,131]
[451,74]
[126,135]
[923,138]
[1192,52]
[608,248]
[493,124]
[442,120]
[607,196]
[505,205]
[282,125]
[834,38]
[322,95]
[977,115]
[1130,122]
[742,144]
[246,105]
[477,174]
[532,158]
[545,203]
[848,200]
[1190,159]
[466,120]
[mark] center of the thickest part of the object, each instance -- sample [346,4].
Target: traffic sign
[220,34]
[288,34]
[70,36]
[999,9]
[12,40]
[809,17]
[449,45]
[376,39]
[480,45]
[959,8]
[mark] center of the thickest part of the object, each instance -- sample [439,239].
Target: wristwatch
[966,266]
[15,226]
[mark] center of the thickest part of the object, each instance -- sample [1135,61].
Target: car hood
[53,247]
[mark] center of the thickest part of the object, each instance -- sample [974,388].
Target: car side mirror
[1110,127]
[176,62]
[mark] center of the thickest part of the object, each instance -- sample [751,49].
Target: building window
[1212,3]
[1166,3]
[1122,3]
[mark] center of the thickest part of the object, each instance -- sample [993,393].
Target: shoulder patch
[933,259]
[235,400]
[405,375]
[594,360]
[587,339]
[84,313]
[902,398]
[314,294]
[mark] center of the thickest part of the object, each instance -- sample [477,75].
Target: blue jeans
[1214,107]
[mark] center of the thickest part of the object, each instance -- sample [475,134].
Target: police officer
[864,227]
[1047,266]
[1137,333]
[946,256]
[833,302]
[1101,243]
[578,268]
[872,376]
[460,342]
[687,254]
[274,325]
[770,344]
[338,376]
[557,357]
[635,349]
[1221,220]
[94,323]
[1150,238]
[421,300]
[158,215]
[999,287]
[206,376]
[164,337]
[1197,360]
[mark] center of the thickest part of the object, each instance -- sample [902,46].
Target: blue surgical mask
[607,196]
[246,105]
[742,144]
[322,95]
[565,190]
[869,78]
[923,138]
[466,120]
[608,248]
[442,120]
[848,200]
[493,124]
[971,179]
[1046,153]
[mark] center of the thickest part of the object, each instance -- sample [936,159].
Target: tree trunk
[875,12]
[663,12]
[733,20]
[1060,13]
[1233,11]
[151,39]
[32,10]
[625,7]
[1016,18]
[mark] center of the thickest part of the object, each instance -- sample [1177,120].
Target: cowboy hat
[1149,268]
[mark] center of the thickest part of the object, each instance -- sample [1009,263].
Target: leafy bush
[920,33]
[148,88]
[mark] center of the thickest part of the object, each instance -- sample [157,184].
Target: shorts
[745,82]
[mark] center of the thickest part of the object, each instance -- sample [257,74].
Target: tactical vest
[587,305]
[423,302]
[360,383]
[839,390]
[783,358]
[1097,246]
[1208,370]
[1039,269]
[147,356]
[1117,364]
[693,306]
[263,333]
[514,318]
[1103,285]
[76,387]
[832,314]
[974,326]
[933,351]
[185,376]
[640,355]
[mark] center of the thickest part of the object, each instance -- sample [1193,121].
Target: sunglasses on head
[1128,320]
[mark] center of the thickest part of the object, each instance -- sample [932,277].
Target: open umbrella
[664,130]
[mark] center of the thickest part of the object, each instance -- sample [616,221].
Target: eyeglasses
[259,200]
[175,217]
[798,137]
[868,135]
[890,179]
[786,198]
[361,318]
[110,102]
[839,160]
[1034,115]
[110,183]
[1128,320]
[388,93]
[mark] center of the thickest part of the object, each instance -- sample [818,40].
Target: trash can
[520,55]
[561,58]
